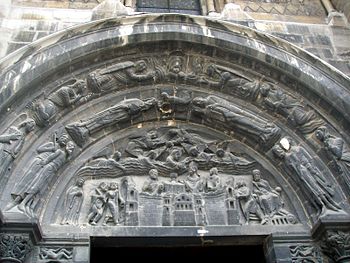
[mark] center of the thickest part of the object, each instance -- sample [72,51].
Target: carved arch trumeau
[171,121]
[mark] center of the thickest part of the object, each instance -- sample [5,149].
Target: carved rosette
[14,248]
[336,245]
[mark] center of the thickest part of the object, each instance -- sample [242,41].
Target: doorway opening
[163,249]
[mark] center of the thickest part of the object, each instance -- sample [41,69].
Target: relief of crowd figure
[338,151]
[121,112]
[215,110]
[66,96]
[275,99]
[307,171]
[169,150]
[106,205]
[73,202]
[118,76]
[51,156]
[12,142]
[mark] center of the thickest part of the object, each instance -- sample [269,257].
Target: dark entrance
[153,249]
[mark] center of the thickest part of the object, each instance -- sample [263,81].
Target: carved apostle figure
[121,112]
[276,99]
[176,68]
[51,157]
[11,143]
[193,182]
[98,203]
[120,75]
[73,202]
[64,97]
[338,151]
[268,198]
[114,202]
[248,203]
[301,163]
[220,111]
[152,185]
[213,182]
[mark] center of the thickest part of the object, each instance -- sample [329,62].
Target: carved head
[176,154]
[265,89]
[28,124]
[193,168]
[79,85]
[256,175]
[321,133]
[117,155]
[213,171]
[199,102]
[140,66]
[80,182]
[220,152]
[278,151]
[175,64]
[63,139]
[194,151]
[153,174]
[70,147]
[113,186]
[148,103]
[103,186]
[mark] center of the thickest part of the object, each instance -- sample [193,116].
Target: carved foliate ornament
[14,247]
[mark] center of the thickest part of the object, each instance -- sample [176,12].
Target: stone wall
[22,22]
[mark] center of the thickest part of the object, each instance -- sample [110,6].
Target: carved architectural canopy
[171,122]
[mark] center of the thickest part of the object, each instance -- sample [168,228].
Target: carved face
[140,66]
[176,65]
[278,151]
[153,173]
[70,147]
[30,125]
[256,175]
[213,171]
[320,134]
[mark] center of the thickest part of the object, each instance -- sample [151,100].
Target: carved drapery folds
[14,248]
[307,171]
[171,152]
[192,180]
[336,245]
[50,158]
[11,143]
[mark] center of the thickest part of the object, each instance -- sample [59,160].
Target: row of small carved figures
[126,73]
[262,200]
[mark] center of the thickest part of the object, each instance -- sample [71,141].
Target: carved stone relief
[338,151]
[50,158]
[302,165]
[11,143]
[174,177]
[14,248]
[275,99]
[336,245]
[121,112]
[66,96]
[303,253]
[59,254]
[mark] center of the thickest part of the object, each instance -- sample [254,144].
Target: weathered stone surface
[165,125]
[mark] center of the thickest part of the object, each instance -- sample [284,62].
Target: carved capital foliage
[14,247]
[336,245]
